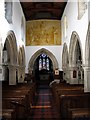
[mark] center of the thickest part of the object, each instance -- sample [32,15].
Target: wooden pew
[62,90]
[78,113]
[73,101]
[7,114]
[65,89]
[65,92]
[14,94]
[20,94]
[23,87]
[15,103]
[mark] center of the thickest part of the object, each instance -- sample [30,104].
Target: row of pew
[17,101]
[71,101]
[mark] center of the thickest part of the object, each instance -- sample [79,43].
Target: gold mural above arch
[43,32]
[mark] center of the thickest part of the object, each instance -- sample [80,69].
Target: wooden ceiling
[43,10]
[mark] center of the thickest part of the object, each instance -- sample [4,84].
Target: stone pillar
[12,75]
[86,79]
[1,78]
[18,73]
[21,73]
[1,73]
[80,76]
[65,74]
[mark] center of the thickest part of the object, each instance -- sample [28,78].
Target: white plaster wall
[89,10]
[56,51]
[80,26]
[15,26]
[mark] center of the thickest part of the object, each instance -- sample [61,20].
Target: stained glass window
[40,63]
[47,63]
[43,62]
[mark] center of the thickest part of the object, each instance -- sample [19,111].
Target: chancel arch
[65,62]
[9,58]
[32,66]
[75,59]
[35,55]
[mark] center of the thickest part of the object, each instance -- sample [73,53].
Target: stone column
[1,78]
[18,73]
[1,73]
[87,79]
[65,74]
[12,75]
[21,73]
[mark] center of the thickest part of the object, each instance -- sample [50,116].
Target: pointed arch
[87,48]
[65,56]
[47,52]
[9,58]
[87,62]
[21,56]
[9,49]
[74,44]
[12,46]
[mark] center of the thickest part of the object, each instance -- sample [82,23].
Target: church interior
[45,60]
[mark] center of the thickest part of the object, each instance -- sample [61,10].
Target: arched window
[40,63]
[43,62]
[47,63]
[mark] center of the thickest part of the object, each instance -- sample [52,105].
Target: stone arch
[20,57]
[87,62]
[72,49]
[12,39]
[65,62]
[23,56]
[9,49]
[87,48]
[10,62]
[65,57]
[35,55]
[75,59]
[21,64]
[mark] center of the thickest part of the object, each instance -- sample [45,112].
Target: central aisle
[43,108]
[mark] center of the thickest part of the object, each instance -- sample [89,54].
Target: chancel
[44,60]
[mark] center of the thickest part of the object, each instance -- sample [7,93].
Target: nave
[42,45]
[61,101]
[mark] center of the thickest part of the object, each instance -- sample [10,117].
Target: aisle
[43,109]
